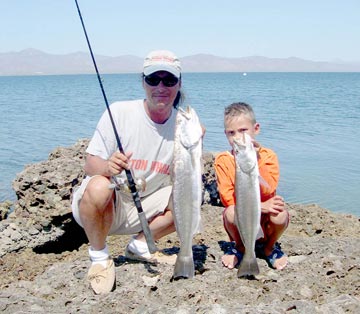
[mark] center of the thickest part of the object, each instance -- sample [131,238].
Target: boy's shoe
[276,254]
[102,279]
[239,256]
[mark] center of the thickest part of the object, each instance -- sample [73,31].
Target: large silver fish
[187,187]
[248,206]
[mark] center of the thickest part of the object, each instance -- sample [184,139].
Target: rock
[211,195]
[44,257]
[44,193]
[43,206]
[5,209]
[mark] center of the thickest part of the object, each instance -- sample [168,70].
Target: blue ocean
[311,120]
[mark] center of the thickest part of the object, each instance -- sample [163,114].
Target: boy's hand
[274,205]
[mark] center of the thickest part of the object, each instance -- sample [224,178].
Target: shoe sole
[137,258]
[158,258]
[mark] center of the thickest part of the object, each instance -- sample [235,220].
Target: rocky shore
[44,260]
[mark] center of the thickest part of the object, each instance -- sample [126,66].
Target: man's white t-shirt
[152,144]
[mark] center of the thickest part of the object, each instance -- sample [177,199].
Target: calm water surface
[312,121]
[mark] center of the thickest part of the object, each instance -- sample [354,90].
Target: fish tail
[184,267]
[248,267]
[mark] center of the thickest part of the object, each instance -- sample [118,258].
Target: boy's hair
[239,108]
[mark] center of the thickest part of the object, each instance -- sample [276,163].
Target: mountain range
[35,62]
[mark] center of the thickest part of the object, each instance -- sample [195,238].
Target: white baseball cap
[162,60]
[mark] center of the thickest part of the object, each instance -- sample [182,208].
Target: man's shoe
[102,279]
[158,257]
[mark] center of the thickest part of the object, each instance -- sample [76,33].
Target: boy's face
[236,126]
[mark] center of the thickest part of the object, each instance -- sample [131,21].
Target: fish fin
[248,266]
[185,111]
[194,135]
[184,267]
[199,228]
[263,182]
[260,233]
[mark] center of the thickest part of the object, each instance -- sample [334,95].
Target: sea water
[311,120]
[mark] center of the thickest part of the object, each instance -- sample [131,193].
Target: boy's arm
[225,181]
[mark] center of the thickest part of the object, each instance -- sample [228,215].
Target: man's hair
[179,99]
[239,108]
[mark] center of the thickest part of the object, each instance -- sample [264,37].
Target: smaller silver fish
[187,187]
[248,206]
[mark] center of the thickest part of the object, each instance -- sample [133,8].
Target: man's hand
[118,162]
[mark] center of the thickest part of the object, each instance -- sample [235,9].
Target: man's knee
[98,192]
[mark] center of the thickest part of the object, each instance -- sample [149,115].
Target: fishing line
[132,186]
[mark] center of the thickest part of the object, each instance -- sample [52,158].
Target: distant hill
[36,62]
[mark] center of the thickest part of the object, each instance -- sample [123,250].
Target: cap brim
[161,67]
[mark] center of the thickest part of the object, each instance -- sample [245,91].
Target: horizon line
[336,60]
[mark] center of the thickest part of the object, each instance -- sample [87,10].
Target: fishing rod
[131,183]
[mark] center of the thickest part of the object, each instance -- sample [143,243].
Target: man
[146,130]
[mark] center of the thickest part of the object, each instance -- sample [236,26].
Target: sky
[317,30]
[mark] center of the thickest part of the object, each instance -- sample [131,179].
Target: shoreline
[44,257]
[6,203]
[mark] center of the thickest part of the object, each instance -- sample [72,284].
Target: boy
[239,118]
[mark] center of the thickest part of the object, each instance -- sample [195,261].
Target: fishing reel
[122,184]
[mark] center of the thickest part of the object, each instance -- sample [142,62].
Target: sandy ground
[323,275]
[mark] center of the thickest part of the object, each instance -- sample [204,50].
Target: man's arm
[95,165]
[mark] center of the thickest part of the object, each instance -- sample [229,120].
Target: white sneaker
[139,248]
[138,251]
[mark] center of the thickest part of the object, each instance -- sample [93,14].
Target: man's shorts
[126,219]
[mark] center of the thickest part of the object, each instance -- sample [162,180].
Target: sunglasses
[168,80]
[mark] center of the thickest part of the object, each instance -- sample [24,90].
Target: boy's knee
[282,219]
[229,215]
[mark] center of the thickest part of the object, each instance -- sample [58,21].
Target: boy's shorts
[264,220]
[126,219]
